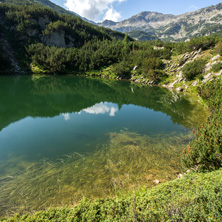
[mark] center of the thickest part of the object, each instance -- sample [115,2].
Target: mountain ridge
[167,27]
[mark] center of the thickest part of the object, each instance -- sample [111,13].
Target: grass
[195,197]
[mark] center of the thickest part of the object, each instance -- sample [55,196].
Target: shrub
[211,92]
[194,69]
[205,152]
[155,75]
[122,69]
[218,48]
[217,67]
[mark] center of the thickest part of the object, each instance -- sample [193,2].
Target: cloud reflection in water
[102,108]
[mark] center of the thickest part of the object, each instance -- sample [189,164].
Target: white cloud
[112,14]
[66,116]
[92,9]
[101,108]
[113,111]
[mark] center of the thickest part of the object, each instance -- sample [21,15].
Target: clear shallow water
[94,136]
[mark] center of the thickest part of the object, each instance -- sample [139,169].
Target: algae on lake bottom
[128,161]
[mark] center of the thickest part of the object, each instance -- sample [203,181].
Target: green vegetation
[205,152]
[92,55]
[195,197]
[47,42]
[83,48]
[203,43]
[194,69]
[31,24]
[217,67]
[41,3]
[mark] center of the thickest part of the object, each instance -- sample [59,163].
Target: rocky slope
[202,22]
[174,69]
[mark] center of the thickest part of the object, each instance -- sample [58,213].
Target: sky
[118,10]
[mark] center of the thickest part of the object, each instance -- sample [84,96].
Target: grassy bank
[195,197]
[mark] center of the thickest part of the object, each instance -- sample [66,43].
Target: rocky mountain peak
[169,27]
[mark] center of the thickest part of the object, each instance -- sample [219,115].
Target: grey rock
[43,21]
[56,39]
[208,75]
[179,89]
[32,32]
[216,57]
[195,83]
[219,73]
[208,67]
[156,181]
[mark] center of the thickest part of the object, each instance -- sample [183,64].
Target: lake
[65,138]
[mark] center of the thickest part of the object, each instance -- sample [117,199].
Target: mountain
[24,25]
[45,3]
[169,27]
[43,21]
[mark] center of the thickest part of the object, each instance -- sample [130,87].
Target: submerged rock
[156,181]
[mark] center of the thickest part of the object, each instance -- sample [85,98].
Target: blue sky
[118,10]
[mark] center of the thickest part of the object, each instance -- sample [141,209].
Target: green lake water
[65,138]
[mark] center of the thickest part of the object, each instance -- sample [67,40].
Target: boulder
[43,21]
[55,39]
[179,89]
[195,83]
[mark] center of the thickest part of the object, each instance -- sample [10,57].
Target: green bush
[205,152]
[122,69]
[217,67]
[218,48]
[155,75]
[194,69]
[211,92]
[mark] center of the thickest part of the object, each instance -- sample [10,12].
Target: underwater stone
[156,181]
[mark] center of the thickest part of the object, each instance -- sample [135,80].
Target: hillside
[20,26]
[45,3]
[168,27]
